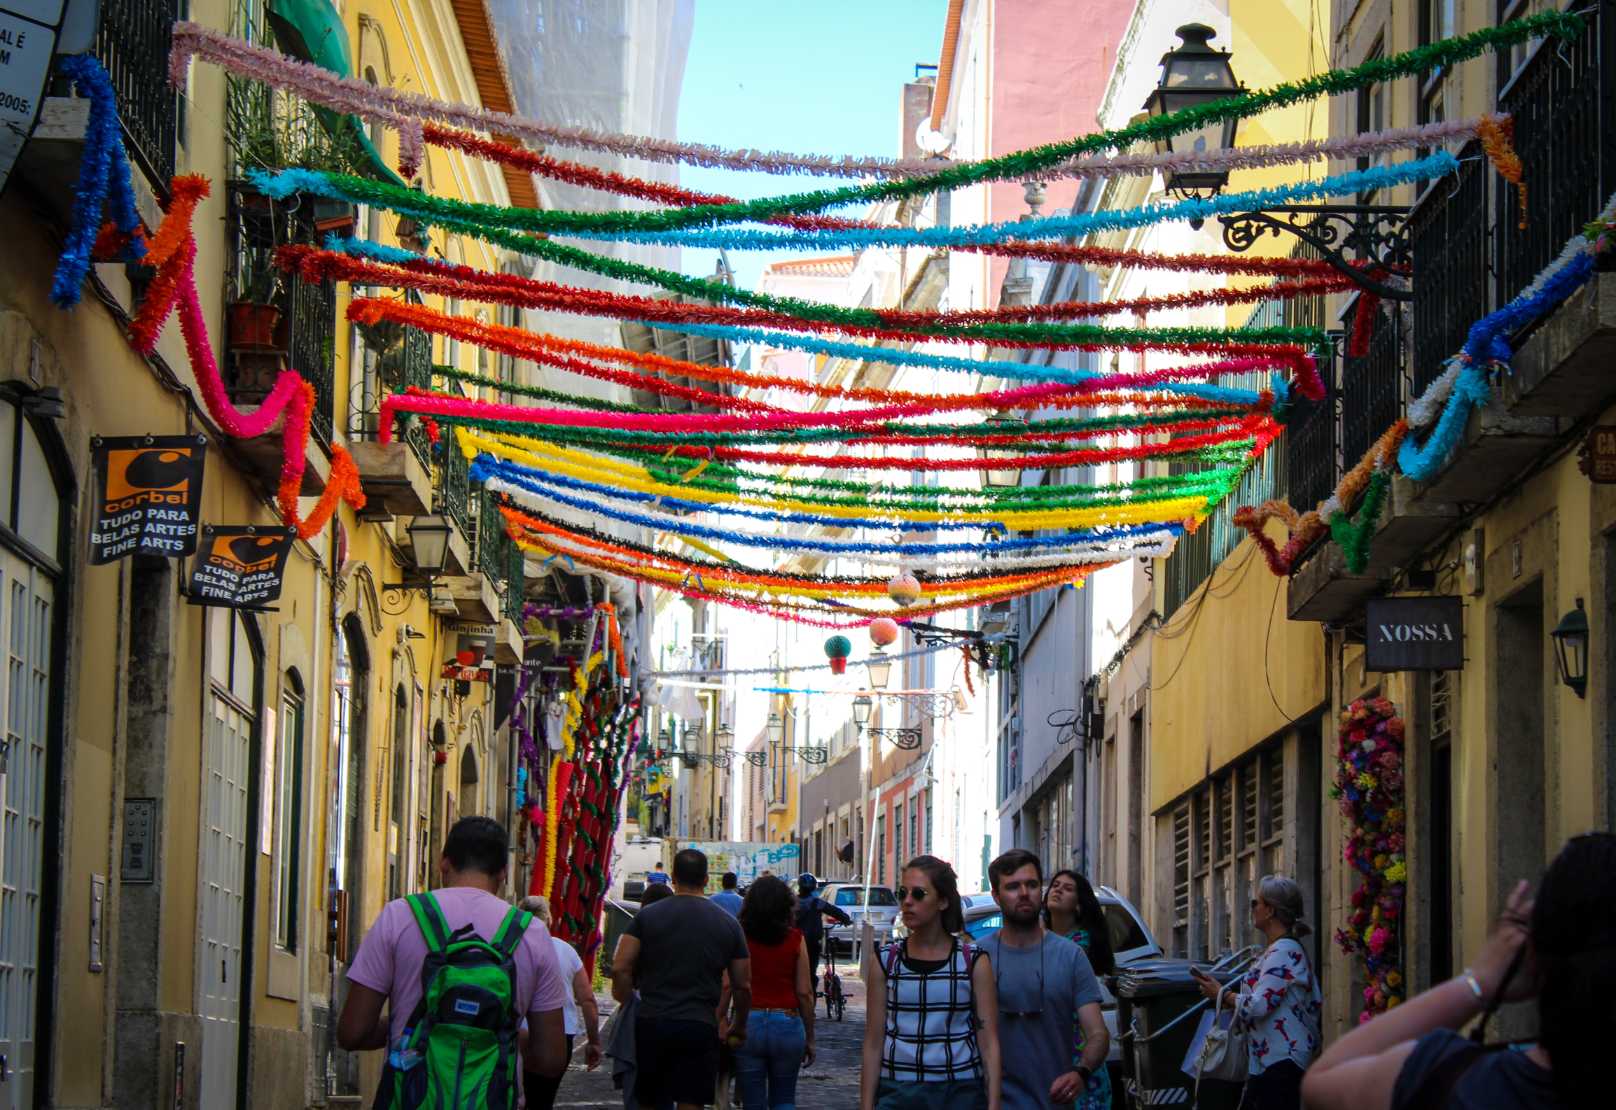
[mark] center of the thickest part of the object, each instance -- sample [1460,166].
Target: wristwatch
[1083,1070]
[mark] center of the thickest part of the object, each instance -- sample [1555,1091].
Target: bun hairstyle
[1284,897]
[946,884]
[1574,944]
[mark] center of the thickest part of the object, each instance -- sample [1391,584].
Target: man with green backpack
[459,969]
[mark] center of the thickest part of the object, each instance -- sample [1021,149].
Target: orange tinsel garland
[1497,134]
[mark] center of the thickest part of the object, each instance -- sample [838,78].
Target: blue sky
[810,78]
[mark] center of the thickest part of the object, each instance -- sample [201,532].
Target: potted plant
[253,318]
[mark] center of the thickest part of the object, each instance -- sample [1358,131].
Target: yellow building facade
[208,806]
[1504,758]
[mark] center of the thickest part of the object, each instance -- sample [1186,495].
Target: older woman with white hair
[579,1011]
[1279,1001]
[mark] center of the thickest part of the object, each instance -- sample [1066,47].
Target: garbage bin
[617,916]
[1159,1007]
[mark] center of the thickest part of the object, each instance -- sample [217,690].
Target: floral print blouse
[1280,1004]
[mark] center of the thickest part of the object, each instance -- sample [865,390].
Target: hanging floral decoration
[1369,788]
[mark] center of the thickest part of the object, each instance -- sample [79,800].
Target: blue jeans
[768,1061]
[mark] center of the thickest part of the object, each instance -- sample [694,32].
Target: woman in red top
[780,1028]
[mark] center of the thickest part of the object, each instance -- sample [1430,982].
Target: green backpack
[459,1049]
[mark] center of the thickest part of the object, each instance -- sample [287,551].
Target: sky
[809,78]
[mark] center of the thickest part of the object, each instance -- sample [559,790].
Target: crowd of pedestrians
[475,1002]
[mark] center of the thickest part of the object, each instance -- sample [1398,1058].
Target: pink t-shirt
[391,954]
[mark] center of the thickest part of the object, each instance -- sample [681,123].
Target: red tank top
[774,972]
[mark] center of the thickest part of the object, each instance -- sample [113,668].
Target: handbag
[1225,1050]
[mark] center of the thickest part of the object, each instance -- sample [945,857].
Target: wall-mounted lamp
[1571,649]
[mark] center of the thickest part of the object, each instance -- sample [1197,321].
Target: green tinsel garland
[1094,336]
[1026,163]
[537,392]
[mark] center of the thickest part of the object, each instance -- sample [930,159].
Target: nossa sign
[1414,634]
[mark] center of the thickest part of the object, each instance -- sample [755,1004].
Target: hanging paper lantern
[904,588]
[838,648]
[883,631]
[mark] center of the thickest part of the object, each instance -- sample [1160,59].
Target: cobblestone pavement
[830,1084]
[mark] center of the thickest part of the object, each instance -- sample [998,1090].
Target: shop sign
[1414,634]
[148,496]
[1598,455]
[27,41]
[240,566]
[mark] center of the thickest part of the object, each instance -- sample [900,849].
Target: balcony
[132,43]
[397,476]
[275,321]
[1471,256]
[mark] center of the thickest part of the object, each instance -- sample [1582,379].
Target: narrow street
[830,1084]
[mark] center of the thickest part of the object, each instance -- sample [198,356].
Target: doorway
[33,485]
[1519,837]
[235,668]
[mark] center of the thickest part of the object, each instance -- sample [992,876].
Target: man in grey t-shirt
[1047,990]
[676,953]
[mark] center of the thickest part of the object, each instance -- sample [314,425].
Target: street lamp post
[1359,240]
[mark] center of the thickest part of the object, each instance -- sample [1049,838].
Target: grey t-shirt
[1040,990]
[686,945]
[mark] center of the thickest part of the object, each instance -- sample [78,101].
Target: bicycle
[835,999]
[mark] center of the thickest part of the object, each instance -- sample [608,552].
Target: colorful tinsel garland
[407,111]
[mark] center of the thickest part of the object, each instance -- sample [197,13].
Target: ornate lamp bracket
[1354,239]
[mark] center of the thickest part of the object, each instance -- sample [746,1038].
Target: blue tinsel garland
[1488,345]
[103,170]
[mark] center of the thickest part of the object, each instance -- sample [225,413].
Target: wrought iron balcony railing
[1372,386]
[451,485]
[515,582]
[132,43]
[1448,234]
[307,326]
[490,538]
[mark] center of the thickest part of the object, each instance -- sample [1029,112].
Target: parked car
[1131,941]
[882,911]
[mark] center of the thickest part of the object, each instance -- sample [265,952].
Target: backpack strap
[890,962]
[510,931]
[429,917]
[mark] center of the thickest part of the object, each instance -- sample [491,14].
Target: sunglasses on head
[918,893]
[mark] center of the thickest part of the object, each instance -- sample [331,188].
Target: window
[1437,22]
[401,731]
[289,813]
[1226,834]
[897,835]
[1371,113]
[881,851]
[1511,58]
[930,837]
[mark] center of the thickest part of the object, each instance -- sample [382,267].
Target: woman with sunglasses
[1278,1001]
[931,1037]
[1072,911]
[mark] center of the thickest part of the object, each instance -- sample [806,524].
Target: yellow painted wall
[1218,666]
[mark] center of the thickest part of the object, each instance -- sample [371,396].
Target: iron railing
[1372,386]
[1312,463]
[1448,236]
[451,485]
[418,372]
[308,329]
[1561,104]
[132,43]
[515,581]
[313,342]
[490,539]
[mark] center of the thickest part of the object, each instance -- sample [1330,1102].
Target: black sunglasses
[919,893]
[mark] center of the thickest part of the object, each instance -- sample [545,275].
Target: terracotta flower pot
[253,327]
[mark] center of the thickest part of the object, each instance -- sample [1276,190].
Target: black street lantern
[1571,649]
[1194,74]
[861,709]
[429,536]
[1000,477]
